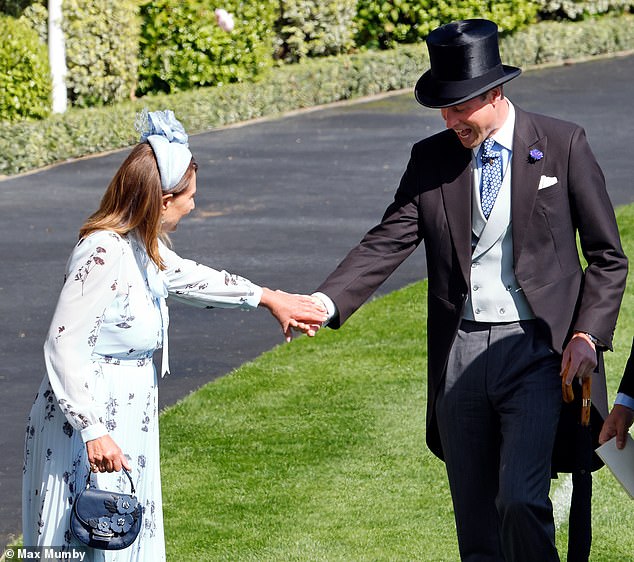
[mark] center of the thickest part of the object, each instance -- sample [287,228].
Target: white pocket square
[547,181]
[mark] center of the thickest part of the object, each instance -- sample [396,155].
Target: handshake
[302,313]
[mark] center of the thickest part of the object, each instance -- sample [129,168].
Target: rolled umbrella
[580,519]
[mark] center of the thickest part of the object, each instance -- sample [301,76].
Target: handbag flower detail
[535,155]
[125,511]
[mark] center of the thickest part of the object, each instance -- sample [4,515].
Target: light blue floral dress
[110,318]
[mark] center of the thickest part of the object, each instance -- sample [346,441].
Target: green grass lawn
[315,451]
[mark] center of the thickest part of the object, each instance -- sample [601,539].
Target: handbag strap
[125,471]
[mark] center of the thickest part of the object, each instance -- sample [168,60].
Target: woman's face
[177,205]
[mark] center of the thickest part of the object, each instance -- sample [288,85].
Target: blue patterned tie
[491,176]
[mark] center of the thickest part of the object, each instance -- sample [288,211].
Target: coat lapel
[457,201]
[525,177]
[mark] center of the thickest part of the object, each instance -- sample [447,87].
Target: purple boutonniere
[535,155]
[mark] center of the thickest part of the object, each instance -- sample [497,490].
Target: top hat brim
[436,94]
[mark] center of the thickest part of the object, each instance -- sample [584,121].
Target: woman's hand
[104,455]
[300,312]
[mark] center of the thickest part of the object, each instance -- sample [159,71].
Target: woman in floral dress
[97,406]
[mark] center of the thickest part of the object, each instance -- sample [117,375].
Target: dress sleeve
[199,285]
[91,284]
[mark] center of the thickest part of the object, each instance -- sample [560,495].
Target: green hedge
[578,9]
[101,50]
[36,15]
[29,145]
[182,47]
[25,90]
[558,41]
[102,42]
[176,45]
[315,28]
[14,7]
[383,25]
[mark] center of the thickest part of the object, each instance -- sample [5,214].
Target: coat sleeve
[379,253]
[606,271]
[204,287]
[91,284]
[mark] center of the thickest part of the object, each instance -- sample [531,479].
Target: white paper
[620,462]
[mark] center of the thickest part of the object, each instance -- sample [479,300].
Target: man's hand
[104,455]
[300,312]
[579,358]
[617,423]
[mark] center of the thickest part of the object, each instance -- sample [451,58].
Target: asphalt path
[280,202]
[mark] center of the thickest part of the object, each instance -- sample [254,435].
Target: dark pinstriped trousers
[497,413]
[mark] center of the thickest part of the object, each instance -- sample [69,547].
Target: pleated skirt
[56,464]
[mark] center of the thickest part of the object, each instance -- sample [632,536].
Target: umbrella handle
[566,389]
[586,391]
[586,401]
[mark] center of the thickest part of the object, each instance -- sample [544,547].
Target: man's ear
[497,93]
[167,198]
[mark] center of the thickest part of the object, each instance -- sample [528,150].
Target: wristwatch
[594,340]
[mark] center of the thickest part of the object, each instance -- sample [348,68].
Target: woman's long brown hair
[134,200]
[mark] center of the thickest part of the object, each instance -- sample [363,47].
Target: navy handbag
[106,520]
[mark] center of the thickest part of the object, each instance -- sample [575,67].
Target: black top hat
[465,62]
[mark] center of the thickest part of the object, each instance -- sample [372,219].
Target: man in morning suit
[509,304]
[621,417]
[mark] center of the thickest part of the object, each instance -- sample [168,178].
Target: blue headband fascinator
[169,141]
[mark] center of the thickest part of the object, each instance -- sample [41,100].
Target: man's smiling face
[478,118]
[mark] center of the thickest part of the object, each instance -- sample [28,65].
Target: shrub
[101,50]
[382,24]
[24,72]
[559,41]
[36,14]
[14,7]
[309,28]
[577,9]
[182,47]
